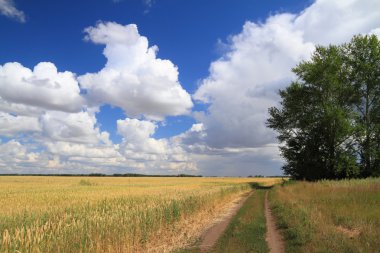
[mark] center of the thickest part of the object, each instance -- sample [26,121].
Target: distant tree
[328,119]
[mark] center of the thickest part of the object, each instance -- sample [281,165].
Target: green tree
[362,59]
[329,118]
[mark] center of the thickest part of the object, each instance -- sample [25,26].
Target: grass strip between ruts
[246,232]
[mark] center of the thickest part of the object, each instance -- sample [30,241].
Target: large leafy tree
[362,59]
[328,119]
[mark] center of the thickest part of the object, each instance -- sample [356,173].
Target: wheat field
[110,214]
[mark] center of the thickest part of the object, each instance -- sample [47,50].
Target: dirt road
[273,237]
[211,236]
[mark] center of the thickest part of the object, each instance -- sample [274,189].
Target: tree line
[328,120]
[100,175]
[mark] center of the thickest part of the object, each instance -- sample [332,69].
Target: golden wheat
[77,214]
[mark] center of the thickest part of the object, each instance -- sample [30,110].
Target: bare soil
[211,235]
[273,237]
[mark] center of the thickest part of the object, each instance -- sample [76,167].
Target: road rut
[273,236]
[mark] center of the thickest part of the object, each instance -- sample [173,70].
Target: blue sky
[186,32]
[201,111]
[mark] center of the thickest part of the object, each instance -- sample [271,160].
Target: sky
[156,86]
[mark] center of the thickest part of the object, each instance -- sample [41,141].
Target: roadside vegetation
[329,216]
[77,214]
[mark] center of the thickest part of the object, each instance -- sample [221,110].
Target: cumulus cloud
[86,157]
[19,109]
[71,150]
[46,115]
[59,157]
[244,82]
[73,143]
[227,161]
[330,22]
[43,87]
[62,142]
[11,125]
[54,128]
[137,138]
[232,162]
[138,145]
[72,127]
[14,157]
[134,78]
[8,8]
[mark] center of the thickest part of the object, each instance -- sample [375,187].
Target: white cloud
[139,145]
[59,158]
[72,127]
[19,109]
[62,157]
[47,117]
[244,161]
[86,156]
[60,142]
[44,87]
[54,129]
[242,85]
[244,82]
[71,150]
[227,161]
[11,125]
[137,137]
[15,156]
[330,22]
[7,8]
[134,78]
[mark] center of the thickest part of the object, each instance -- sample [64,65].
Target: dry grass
[69,214]
[329,216]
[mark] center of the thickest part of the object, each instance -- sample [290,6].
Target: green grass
[246,232]
[329,216]
[85,182]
